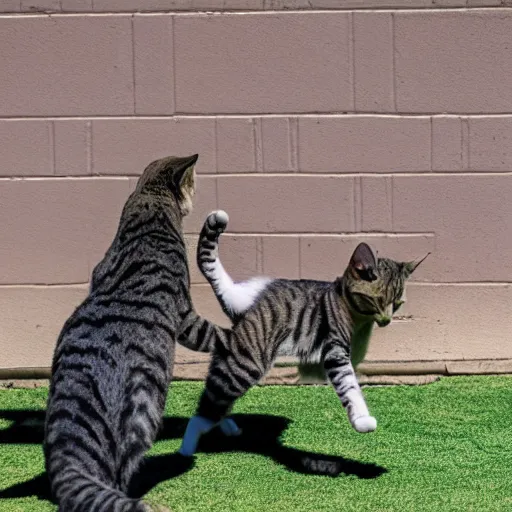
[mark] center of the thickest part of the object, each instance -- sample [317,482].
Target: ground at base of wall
[364,380]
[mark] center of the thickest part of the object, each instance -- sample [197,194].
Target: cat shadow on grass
[260,435]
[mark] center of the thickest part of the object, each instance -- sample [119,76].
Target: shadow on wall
[261,434]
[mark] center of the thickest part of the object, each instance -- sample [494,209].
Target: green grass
[446,446]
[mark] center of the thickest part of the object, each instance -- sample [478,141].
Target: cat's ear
[183,175]
[411,266]
[364,263]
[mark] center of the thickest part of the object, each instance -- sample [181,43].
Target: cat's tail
[79,492]
[208,259]
[234,298]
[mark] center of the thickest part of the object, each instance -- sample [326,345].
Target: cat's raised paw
[365,424]
[229,427]
[218,220]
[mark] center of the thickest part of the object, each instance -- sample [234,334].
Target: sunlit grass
[441,447]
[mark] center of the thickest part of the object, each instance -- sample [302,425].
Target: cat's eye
[397,304]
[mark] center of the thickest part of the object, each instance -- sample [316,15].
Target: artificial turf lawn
[444,446]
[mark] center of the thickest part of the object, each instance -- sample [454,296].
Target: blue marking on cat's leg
[229,427]
[197,426]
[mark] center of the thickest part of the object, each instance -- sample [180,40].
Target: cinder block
[26,148]
[73,65]
[327,257]
[154,85]
[281,256]
[364,144]
[453,61]
[33,318]
[235,144]
[127,146]
[373,53]
[262,63]
[470,216]
[62,228]
[490,143]
[448,144]
[72,147]
[287,204]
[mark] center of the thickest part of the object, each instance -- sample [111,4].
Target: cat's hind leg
[198,425]
[228,379]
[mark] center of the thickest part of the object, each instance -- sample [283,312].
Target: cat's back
[132,311]
[294,291]
[285,302]
[113,360]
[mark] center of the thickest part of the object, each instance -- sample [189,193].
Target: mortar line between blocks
[431,144]
[134,73]
[392,203]
[346,114]
[500,8]
[173,56]
[356,203]
[314,234]
[258,150]
[88,144]
[461,127]
[360,223]
[51,128]
[296,139]
[259,254]
[216,144]
[393,56]
[300,255]
[468,143]
[352,57]
[292,160]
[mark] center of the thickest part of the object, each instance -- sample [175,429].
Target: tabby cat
[330,322]
[113,360]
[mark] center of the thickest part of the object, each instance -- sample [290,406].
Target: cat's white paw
[229,427]
[218,220]
[365,424]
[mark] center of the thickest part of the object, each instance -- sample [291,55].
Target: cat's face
[171,175]
[376,287]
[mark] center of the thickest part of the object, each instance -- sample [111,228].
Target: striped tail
[80,458]
[76,492]
[208,257]
[234,298]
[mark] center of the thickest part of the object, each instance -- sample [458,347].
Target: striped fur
[317,321]
[113,360]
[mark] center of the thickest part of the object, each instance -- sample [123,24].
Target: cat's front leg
[340,373]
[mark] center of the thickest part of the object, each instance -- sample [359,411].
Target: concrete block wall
[319,123]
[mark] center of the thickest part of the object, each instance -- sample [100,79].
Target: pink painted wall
[319,124]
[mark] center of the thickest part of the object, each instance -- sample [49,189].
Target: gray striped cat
[327,322]
[113,360]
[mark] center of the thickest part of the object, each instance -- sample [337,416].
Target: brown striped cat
[317,321]
[114,357]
